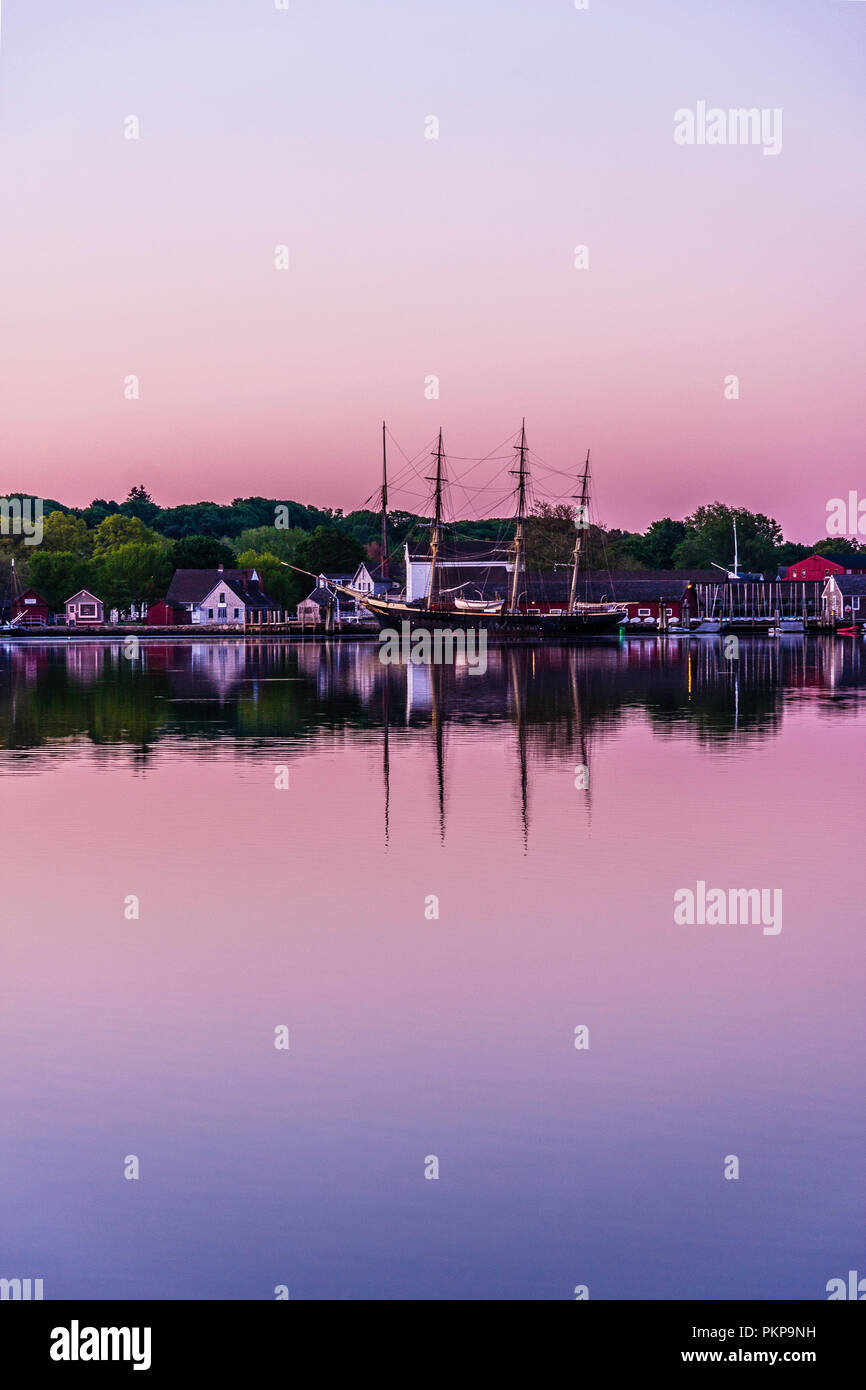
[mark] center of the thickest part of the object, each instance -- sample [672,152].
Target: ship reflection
[58,697]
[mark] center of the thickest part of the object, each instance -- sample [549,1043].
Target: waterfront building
[819,567]
[30,609]
[314,608]
[844,598]
[222,598]
[84,609]
[366,582]
[165,614]
[457,562]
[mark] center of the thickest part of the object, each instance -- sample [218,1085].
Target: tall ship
[445,605]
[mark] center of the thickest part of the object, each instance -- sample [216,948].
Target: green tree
[709,539]
[139,503]
[613,549]
[834,545]
[657,546]
[62,531]
[252,512]
[59,574]
[133,573]
[327,550]
[202,553]
[285,585]
[119,530]
[788,553]
[98,510]
[270,540]
[198,519]
[550,535]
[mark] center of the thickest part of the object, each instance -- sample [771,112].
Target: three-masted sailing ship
[446,608]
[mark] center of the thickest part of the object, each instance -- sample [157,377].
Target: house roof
[374,572]
[850,583]
[246,592]
[82,593]
[848,562]
[192,586]
[323,597]
[625,586]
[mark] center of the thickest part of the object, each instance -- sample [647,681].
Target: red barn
[820,567]
[30,610]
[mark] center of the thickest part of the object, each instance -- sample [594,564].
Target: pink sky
[413,257]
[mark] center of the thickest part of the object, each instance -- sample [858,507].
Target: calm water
[412,1036]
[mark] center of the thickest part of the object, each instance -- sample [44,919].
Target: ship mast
[519,536]
[383,568]
[435,534]
[581,525]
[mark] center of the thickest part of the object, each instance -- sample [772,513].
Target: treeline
[127,552]
[699,541]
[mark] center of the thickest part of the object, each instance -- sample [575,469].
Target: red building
[641,593]
[817,567]
[165,614]
[30,610]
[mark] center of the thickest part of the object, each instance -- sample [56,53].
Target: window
[643,613]
[222,598]
[210,612]
[87,610]
[237,612]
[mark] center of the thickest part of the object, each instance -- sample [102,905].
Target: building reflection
[557,700]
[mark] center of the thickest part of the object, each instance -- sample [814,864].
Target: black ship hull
[503,626]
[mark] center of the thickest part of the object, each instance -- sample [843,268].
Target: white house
[366,582]
[84,609]
[314,608]
[222,598]
[843,598]
[236,602]
[458,563]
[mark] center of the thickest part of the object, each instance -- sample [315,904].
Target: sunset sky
[412,257]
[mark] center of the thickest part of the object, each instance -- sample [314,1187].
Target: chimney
[219,569]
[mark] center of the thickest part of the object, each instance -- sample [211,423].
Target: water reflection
[53,696]
[452,1035]
[59,699]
